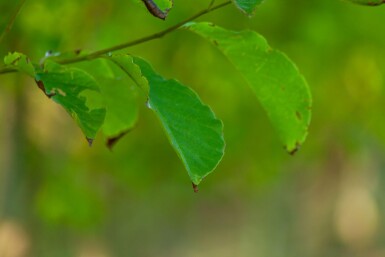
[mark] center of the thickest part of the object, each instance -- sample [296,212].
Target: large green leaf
[20,62]
[118,91]
[192,128]
[368,2]
[247,6]
[279,86]
[77,92]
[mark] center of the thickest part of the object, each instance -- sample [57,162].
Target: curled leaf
[156,10]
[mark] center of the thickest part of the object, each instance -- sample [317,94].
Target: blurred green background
[59,198]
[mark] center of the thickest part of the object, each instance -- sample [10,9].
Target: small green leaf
[276,81]
[77,92]
[247,6]
[118,91]
[192,128]
[20,62]
[368,2]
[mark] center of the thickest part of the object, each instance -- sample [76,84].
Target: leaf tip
[90,141]
[293,151]
[195,188]
[112,141]
[40,85]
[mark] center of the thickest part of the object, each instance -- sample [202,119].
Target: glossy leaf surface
[276,81]
[191,126]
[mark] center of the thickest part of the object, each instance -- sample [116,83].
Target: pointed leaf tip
[195,188]
[112,141]
[90,142]
[294,150]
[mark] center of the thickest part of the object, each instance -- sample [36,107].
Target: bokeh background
[60,198]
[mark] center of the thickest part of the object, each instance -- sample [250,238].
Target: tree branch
[157,35]
[144,39]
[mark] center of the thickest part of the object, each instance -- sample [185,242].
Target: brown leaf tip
[195,187]
[40,84]
[295,150]
[90,141]
[111,142]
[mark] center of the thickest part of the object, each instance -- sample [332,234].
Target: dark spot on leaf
[40,84]
[77,51]
[111,142]
[195,187]
[90,141]
[215,42]
[298,115]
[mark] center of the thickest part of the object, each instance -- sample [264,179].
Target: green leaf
[126,64]
[247,6]
[276,81]
[118,91]
[77,92]
[192,128]
[20,62]
[368,2]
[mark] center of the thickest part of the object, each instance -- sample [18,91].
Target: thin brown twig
[157,35]
[144,39]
